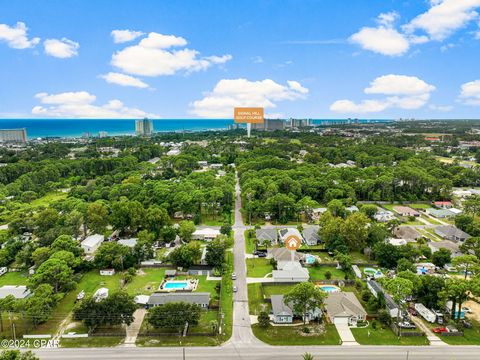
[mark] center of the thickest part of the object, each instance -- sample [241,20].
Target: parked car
[439,329]
[451,329]
[234,276]
[412,311]
[262,254]
[235,289]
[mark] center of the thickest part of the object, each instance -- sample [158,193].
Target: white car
[235,289]
[234,276]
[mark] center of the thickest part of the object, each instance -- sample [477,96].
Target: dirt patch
[140,272]
[475,307]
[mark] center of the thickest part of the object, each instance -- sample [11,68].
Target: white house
[128,242]
[107,272]
[397,242]
[92,243]
[207,234]
[291,272]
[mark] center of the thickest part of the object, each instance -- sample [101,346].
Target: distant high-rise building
[270,125]
[300,122]
[102,134]
[13,135]
[144,127]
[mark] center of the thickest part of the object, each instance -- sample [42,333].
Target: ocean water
[40,128]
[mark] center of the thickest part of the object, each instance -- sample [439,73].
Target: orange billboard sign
[248,115]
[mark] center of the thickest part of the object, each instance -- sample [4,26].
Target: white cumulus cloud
[124,80]
[230,93]
[61,48]
[16,37]
[384,39]
[159,55]
[444,18]
[470,93]
[81,104]
[121,36]
[399,91]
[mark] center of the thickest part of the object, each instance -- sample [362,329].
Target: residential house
[201,299]
[343,308]
[283,313]
[445,244]
[283,254]
[199,270]
[451,232]
[292,272]
[285,233]
[408,233]
[128,242]
[376,289]
[92,243]
[206,234]
[267,236]
[310,235]
[406,211]
[440,213]
[17,291]
[443,204]
[383,215]
[317,212]
[396,242]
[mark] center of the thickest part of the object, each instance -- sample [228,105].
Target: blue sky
[189,59]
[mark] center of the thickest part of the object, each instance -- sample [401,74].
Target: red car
[439,329]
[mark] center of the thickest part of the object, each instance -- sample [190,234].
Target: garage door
[340,320]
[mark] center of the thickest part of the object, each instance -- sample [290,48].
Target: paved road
[242,332]
[255,352]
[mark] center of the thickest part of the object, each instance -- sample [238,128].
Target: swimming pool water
[175,285]
[329,288]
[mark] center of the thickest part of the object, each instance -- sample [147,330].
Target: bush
[328,275]
[366,295]
[358,284]
[306,330]
[374,325]
[263,320]
[384,317]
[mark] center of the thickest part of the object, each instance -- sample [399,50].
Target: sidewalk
[134,327]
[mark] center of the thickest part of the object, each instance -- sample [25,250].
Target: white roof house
[285,233]
[17,291]
[397,242]
[291,272]
[92,243]
[205,234]
[128,242]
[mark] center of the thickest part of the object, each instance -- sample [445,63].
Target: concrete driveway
[345,334]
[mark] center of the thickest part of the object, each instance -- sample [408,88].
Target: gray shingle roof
[192,298]
[266,234]
[450,231]
[279,307]
[343,304]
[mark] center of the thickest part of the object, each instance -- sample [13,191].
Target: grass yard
[269,289]
[256,304]
[293,335]
[380,336]
[470,336]
[94,341]
[159,341]
[249,243]
[146,282]
[318,273]
[258,267]
[14,278]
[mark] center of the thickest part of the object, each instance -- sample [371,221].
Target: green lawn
[470,336]
[147,282]
[249,243]
[159,341]
[293,335]
[379,336]
[269,289]
[255,299]
[14,278]
[318,273]
[94,341]
[258,267]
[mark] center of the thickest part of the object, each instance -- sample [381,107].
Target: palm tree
[307,356]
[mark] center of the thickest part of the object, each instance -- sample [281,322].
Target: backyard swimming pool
[310,259]
[174,285]
[373,272]
[329,288]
